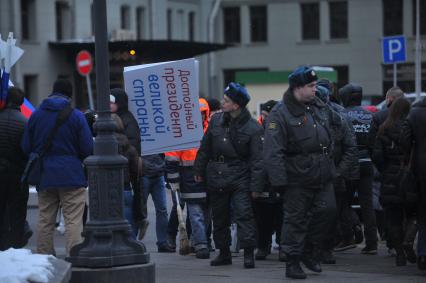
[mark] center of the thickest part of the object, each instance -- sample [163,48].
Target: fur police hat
[268,105]
[326,83]
[237,93]
[302,76]
[323,93]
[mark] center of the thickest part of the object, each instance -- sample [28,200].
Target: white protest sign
[163,97]
[10,50]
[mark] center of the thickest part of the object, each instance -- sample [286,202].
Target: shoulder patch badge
[272,126]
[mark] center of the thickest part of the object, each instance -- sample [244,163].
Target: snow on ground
[21,266]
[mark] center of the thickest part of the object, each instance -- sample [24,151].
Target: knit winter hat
[119,96]
[214,104]
[63,86]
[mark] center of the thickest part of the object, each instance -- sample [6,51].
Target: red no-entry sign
[84,62]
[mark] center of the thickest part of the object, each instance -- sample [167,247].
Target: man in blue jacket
[63,180]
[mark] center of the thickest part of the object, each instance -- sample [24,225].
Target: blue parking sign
[393,48]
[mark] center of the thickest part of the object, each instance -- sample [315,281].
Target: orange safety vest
[184,157]
[187,157]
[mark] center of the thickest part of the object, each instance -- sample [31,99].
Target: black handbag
[34,168]
[407,181]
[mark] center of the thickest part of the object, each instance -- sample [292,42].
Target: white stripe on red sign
[83,63]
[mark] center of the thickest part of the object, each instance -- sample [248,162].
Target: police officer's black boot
[409,237]
[312,261]
[293,268]
[327,257]
[261,253]
[248,258]
[224,258]
[281,255]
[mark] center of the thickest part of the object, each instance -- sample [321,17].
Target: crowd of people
[294,173]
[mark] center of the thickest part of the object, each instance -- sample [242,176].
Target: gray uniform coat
[299,143]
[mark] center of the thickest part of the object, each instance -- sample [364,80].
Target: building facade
[263,35]
[51,32]
[278,35]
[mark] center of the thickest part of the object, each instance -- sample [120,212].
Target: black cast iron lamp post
[107,235]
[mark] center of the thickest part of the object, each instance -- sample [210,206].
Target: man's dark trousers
[13,202]
[268,215]
[309,212]
[364,187]
[242,214]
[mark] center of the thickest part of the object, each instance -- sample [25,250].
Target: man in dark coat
[346,160]
[351,97]
[13,197]
[268,206]
[298,159]
[230,160]
[414,134]
[119,104]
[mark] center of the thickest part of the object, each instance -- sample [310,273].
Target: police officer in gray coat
[346,160]
[230,161]
[297,156]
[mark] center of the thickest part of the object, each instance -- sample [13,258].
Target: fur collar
[295,107]
[240,120]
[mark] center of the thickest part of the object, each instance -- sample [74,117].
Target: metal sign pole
[418,53]
[89,92]
[394,74]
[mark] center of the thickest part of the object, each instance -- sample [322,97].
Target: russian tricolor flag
[4,85]
[27,108]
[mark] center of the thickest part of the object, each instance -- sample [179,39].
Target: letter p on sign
[393,49]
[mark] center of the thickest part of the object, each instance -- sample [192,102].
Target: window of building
[28,19]
[232,24]
[191,26]
[392,17]
[181,28]
[125,17]
[422,13]
[310,21]
[30,87]
[258,24]
[63,20]
[342,75]
[140,22]
[338,19]
[169,23]
[229,75]
[92,18]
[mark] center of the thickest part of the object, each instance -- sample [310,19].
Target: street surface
[173,268]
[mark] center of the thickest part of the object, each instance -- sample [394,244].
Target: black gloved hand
[278,189]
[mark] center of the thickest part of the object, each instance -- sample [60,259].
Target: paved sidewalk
[174,268]
[351,267]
